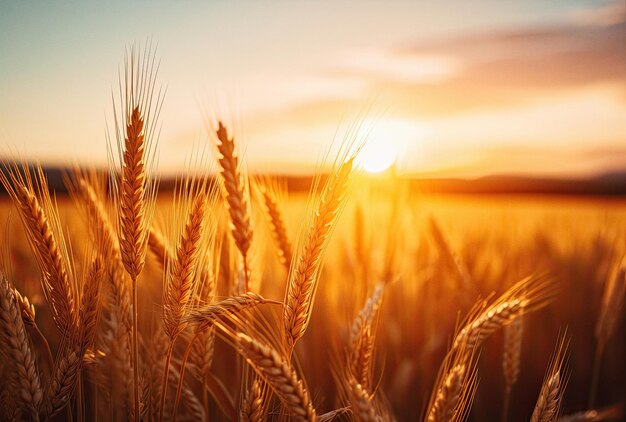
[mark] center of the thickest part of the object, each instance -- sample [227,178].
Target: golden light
[386,142]
[377,155]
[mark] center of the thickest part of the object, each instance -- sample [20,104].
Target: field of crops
[436,256]
[231,298]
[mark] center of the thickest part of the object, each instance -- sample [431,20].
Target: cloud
[509,68]
[607,14]
[554,93]
[484,71]
[398,66]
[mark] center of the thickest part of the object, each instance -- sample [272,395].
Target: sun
[377,155]
[387,143]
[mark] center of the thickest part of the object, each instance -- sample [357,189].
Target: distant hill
[613,184]
[609,184]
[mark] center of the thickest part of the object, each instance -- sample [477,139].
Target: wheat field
[233,298]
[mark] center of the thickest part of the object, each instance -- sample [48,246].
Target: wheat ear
[115,362]
[304,276]
[104,232]
[132,203]
[205,316]
[204,346]
[66,373]
[612,303]
[549,402]
[35,215]
[63,383]
[157,245]
[27,308]
[610,311]
[28,316]
[277,224]
[180,282]
[529,294]
[89,193]
[362,402]
[448,256]
[362,339]
[448,395]
[89,313]
[178,290]
[252,409]
[546,409]
[455,387]
[511,359]
[236,197]
[279,375]
[16,347]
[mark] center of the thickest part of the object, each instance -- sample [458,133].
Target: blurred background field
[497,240]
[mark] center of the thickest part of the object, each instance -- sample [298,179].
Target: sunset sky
[454,88]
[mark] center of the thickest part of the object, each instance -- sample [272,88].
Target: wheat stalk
[132,212]
[190,400]
[136,194]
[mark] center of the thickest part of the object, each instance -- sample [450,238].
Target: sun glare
[377,155]
[386,141]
